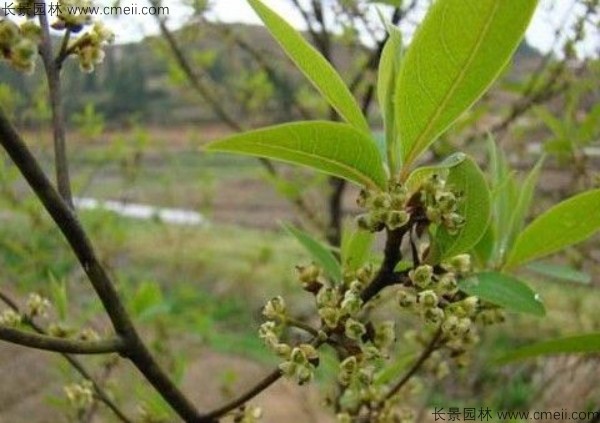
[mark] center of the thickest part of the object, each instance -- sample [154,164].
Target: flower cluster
[248,414]
[300,361]
[441,204]
[72,16]
[80,395]
[385,209]
[89,48]
[19,44]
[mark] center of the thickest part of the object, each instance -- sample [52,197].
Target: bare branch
[75,363]
[67,222]
[61,345]
[58,119]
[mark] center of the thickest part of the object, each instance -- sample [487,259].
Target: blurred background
[194,240]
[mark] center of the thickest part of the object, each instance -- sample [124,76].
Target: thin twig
[429,349]
[61,345]
[58,119]
[301,325]
[75,363]
[67,222]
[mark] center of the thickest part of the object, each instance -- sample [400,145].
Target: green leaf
[504,197]
[522,206]
[356,248]
[386,87]
[421,174]
[475,206]
[505,291]
[148,301]
[60,296]
[565,224]
[578,344]
[333,148]
[314,66]
[458,51]
[322,255]
[557,271]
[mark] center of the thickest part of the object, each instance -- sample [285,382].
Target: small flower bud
[397,219]
[282,350]
[298,356]
[310,353]
[428,299]
[330,315]
[275,309]
[460,263]
[37,306]
[351,303]
[365,273]
[288,368]
[349,365]
[10,318]
[447,284]
[406,299]
[381,201]
[80,395]
[328,297]
[385,334]
[304,375]
[470,305]
[421,276]
[433,315]
[354,329]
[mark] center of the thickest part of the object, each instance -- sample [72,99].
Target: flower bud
[447,284]
[381,201]
[282,350]
[328,297]
[10,318]
[397,219]
[275,309]
[421,276]
[433,315]
[288,368]
[297,356]
[406,299]
[460,263]
[304,375]
[385,334]
[310,353]
[37,305]
[330,315]
[428,299]
[354,329]
[351,303]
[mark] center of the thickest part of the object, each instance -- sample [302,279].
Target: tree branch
[67,222]
[61,345]
[58,120]
[75,363]
[429,349]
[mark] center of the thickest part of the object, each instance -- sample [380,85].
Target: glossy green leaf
[578,344]
[314,66]
[356,248]
[475,206]
[458,51]
[421,174]
[505,291]
[556,271]
[320,253]
[386,87]
[565,224]
[333,148]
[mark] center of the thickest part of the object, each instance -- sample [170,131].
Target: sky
[549,15]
